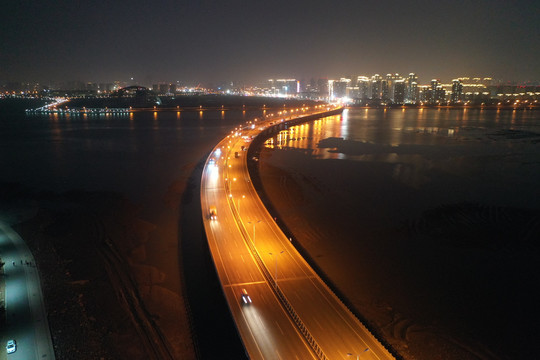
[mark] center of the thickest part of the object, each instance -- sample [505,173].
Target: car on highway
[11,346]
[213,213]
[246,299]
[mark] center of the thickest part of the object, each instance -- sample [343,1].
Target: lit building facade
[457,92]
[412,89]
[376,87]
[284,87]
[363,87]
[400,89]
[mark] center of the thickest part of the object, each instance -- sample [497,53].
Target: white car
[246,299]
[11,346]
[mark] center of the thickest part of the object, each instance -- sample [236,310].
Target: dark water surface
[427,221]
[138,154]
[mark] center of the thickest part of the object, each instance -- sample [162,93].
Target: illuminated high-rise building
[331,89]
[340,87]
[457,91]
[425,94]
[412,88]
[284,86]
[437,92]
[353,92]
[363,87]
[385,91]
[390,85]
[434,84]
[376,87]
[399,91]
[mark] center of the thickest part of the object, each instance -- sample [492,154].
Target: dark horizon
[201,41]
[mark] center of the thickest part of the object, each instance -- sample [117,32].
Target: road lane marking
[245,283]
[279,327]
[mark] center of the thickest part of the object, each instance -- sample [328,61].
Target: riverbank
[68,234]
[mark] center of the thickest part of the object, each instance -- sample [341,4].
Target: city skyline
[302,83]
[244,42]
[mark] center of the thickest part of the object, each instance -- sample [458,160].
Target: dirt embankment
[103,298]
[452,283]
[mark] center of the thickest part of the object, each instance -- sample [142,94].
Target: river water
[425,220]
[139,155]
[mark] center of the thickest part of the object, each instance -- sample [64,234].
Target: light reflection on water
[138,154]
[402,127]
[472,146]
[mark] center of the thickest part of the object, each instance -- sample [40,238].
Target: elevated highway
[293,314]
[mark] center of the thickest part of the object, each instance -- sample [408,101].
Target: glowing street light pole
[232,182]
[254,223]
[243,197]
[275,260]
[358,355]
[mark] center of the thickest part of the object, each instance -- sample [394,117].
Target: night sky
[249,41]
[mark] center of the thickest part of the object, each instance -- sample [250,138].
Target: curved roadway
[294,315]
[26,316]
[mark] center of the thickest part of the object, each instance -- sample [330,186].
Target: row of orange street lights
[234,133]
[237,132]
[358,355]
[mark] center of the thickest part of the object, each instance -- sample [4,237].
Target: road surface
[294,315]
[26,317]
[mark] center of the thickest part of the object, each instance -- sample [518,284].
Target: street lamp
[231,183]
[358,355]
[275,260]
[243,197]
[254,223]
